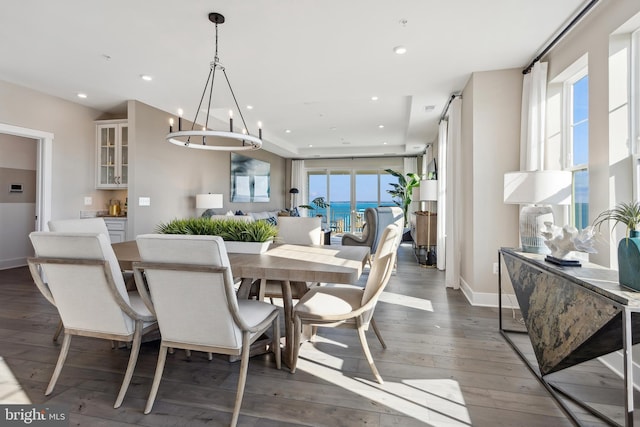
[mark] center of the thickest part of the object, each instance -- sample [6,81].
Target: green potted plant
[629,247]
[239,236]
[402,191]
[318,203]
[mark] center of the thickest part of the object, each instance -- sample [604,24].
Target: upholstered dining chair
[349,306]
[191,289]
[78,225]
[377,219]
[304,231]
[85,285]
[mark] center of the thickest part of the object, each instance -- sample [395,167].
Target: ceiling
[307,66]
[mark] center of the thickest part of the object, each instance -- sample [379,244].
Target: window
[577,146]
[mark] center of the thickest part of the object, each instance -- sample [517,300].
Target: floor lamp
[429,193]
[208,202]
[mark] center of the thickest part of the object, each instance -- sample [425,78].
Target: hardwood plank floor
[445,365]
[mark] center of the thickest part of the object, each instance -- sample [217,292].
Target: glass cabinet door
[113,155]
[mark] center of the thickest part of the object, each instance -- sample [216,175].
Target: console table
[572,314]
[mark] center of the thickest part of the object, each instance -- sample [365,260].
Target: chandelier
[184,137]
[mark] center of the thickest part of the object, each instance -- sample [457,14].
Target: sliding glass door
[349,193]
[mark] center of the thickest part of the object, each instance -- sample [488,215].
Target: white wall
[17,210]
[610,175]
[490,147]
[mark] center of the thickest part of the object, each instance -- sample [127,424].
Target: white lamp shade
[428,190]
[208,201]
[549,187]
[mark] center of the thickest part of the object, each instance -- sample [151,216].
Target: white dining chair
[192,294]
[349,306]
[83,281]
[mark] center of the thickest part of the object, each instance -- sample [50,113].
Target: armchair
[368,232]
[377,219]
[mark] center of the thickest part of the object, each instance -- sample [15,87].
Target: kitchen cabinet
[117,229]
[112,154]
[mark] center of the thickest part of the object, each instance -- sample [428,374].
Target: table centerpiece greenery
[228,229]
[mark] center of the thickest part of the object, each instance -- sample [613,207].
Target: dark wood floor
[446,365]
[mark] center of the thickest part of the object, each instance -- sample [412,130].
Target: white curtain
[532,134]
[442,196]
[299,181]
[453,203]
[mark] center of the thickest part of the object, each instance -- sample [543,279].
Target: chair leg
[367,352]
[64,350]
[58,331]
[377,331]
[297,331]
[188,353]
[162,357]
[276,341]
[133,358]
[210,356]
[242,379]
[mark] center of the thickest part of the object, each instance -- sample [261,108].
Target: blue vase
[629,261]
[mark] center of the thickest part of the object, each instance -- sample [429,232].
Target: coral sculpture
[562,240]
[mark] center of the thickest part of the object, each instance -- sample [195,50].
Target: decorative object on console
[209,202]
[183,137]
[629,247]
[564,240]
[538,190]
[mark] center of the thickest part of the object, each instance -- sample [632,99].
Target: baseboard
[6,264]
[487,299]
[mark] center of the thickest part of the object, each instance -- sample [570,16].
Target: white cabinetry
[112,154]
[117,229]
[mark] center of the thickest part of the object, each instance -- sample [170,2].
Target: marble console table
[572,314]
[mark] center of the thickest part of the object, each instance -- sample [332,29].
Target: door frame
[44,166]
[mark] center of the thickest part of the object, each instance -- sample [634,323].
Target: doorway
[44,150]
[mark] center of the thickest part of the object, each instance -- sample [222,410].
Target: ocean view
[339,214]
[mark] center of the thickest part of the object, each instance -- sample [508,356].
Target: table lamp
[429,193]
[539,190]
[208,202]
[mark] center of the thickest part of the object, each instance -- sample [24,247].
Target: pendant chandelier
[184,138]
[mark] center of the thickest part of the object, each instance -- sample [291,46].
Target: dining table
[283,263]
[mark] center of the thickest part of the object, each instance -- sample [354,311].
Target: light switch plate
[144,201]
[88,201]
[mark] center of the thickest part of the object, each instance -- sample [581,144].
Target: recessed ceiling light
[310,145]
[146,77]
[381,126]
[333,128]
[384,143]
[82,95]
[287,131]
[249,107]
[429,108]
[400,50]
[374,98]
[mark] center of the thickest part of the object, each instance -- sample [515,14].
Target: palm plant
[318,203]
[625,213]
[403,189]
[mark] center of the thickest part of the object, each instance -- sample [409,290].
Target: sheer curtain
[442,197]
[532,134]
[453,201]
[298,180]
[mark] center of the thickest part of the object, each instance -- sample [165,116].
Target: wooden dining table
[283,263]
